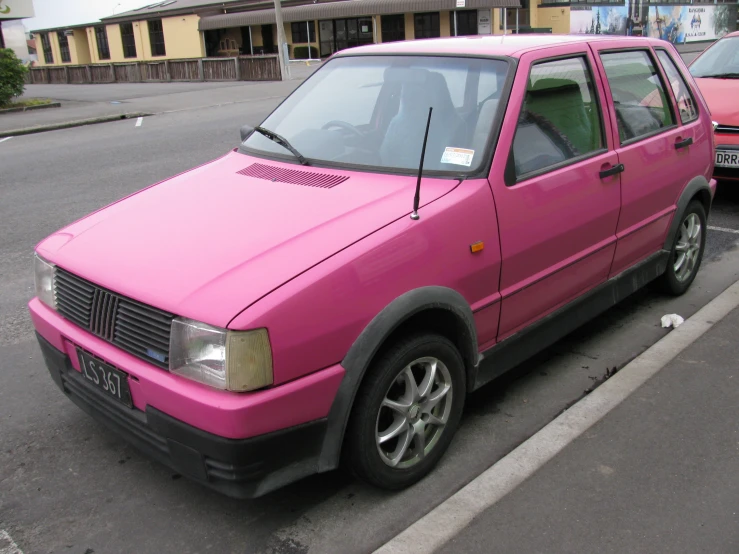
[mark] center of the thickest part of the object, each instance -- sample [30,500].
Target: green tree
[12,76]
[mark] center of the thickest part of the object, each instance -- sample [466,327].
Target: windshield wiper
[720,76]
[282,141]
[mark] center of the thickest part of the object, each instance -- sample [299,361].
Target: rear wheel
[406,412]
[687,251]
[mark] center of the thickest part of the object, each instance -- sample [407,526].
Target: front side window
[685,102]
[560,117]
[720,61]
[101,37]
[638,94]
[64,46]
[301,30]
[46,46]
[128,40]
[372,110]
[156,37]
[427,25]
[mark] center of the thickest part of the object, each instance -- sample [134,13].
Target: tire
[385,463]
[687,252]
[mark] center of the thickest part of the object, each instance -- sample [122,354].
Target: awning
[346,8]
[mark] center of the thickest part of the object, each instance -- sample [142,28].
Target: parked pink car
[308,298]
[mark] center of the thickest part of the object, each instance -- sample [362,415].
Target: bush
[301,52]
[12,76]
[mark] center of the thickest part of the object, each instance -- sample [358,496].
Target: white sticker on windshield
[457,156]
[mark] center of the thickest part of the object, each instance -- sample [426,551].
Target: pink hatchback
[308,298]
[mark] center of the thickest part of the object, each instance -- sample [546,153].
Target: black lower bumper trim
[243,468]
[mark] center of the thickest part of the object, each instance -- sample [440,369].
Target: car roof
[490,45]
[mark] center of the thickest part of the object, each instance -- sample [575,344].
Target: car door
[555,179]
[652,148]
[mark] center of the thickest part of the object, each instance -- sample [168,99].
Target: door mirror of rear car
[246,130]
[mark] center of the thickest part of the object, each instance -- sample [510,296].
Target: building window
[63,46]
[101,37]
[156,37]
[129,43]
[46,46]
[393,27]
[427,25]
[300,31]
[466,23]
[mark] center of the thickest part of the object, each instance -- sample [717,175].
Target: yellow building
[186,29]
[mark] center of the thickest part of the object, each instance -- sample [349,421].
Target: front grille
[727,129]
[132,326]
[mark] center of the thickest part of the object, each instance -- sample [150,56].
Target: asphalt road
[67,485]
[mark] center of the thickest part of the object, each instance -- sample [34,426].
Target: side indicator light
[477,246]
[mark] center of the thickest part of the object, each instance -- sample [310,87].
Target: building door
[466,23]
[268,39]
[326,35]
[393,27]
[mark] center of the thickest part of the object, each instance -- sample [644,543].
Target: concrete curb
[68,124]
[451,517]
[31,108]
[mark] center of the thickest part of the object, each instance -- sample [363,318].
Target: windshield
[720,60]
[372,111]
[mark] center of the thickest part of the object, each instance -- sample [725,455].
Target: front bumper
[244,468]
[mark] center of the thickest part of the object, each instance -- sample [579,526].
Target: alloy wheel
[688,247]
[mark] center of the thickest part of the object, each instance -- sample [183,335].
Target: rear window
[642,106]
[685,102]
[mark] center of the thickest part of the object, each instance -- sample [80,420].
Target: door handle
[615,170]
[683,143]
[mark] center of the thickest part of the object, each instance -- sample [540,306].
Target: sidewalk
[656,474]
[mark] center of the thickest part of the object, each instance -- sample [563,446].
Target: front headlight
[43,273]
[231,360]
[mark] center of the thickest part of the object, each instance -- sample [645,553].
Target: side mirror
[246,130]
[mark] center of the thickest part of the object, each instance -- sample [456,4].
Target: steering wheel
[343,125]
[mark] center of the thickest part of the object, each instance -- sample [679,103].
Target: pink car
[413,221]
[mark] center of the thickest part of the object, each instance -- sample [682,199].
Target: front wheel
[406,412]
[687,251]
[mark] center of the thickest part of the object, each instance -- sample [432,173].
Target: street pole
[455,23]
[281,42]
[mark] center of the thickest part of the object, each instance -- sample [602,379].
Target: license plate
[108,379]
[727,158]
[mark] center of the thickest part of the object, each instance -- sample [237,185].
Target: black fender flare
[694,186]
[360,354]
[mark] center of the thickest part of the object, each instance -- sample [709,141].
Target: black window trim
[482,171]
[645,48]
[685,82]
[509,174]
[101,36]
[62,36]
[157,32]
[127,54]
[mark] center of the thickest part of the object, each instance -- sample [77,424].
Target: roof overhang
[345,8]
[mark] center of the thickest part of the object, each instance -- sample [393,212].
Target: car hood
[210,242]
[720,95]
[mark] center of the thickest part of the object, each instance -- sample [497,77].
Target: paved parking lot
[67,485]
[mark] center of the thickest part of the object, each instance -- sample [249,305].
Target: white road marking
[139,121]
[723,229]
[450,518]
[7,544]
[6,138]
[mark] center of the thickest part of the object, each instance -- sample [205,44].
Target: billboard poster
[682,24]
[600,20]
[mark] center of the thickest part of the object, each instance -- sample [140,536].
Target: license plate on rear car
[108,379]
[727,158]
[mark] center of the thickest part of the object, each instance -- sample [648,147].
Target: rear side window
[638,94]
[560,118]
[685,102]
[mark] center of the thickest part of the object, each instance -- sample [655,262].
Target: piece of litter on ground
[672,320]
[139,121]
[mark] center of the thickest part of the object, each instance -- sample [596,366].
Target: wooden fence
[242,68]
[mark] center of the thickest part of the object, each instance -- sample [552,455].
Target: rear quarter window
[686,105]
